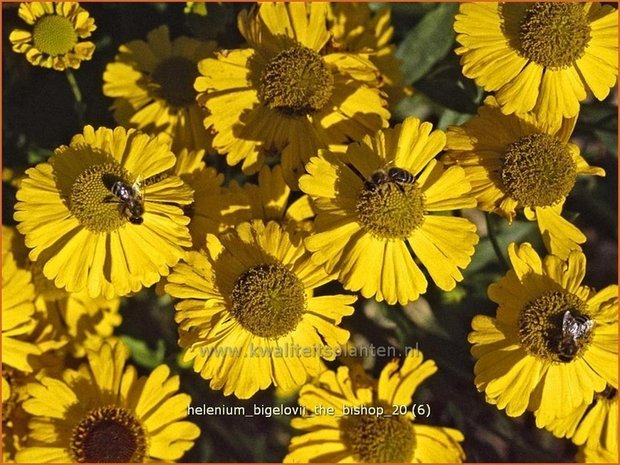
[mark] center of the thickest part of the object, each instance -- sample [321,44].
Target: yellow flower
[86,321]
[102,213]
[369,231]
[260,102]
[248,318]
[553,343]
[54,39]
[517,161]
[542,56]
[371,437]
[271,200]
[104,413]
[153,86]
[356,29]
[593,425]
[76,318]
[18,324]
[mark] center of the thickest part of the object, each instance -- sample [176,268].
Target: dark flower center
[296,82]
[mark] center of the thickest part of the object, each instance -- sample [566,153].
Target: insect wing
[576,327]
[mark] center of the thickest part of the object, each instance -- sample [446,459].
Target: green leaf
[208,26]
[447,86]
[142,354]
[518,231]
[428,42]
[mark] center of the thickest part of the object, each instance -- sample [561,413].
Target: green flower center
[173,80]
[268,300]
[54,35]
[391,210]
[538,170]
[108,435]
[296,82]
[555,34]
[542,327]
[378,439]
[92,202]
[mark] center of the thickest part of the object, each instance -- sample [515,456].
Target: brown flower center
[391,210]
[538,170]
[555,34]
[108,435]
[173,80]
[555,327]
[92,201]
[296,82]
[378,439]
[268,300]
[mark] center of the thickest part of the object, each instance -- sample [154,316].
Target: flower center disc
[541,326]
[93,203]
[538,170]
[54,35]
[377,439]
[391,211]
[296,82]
[554,34]
[108,435]
[173,80]
[268,300]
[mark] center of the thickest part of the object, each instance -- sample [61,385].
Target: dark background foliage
[39,115]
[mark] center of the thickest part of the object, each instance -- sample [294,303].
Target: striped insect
[130,198]
[395,175]
[575,329]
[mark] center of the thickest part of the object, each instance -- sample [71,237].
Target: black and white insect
[575,329]
[398,176]
[129,197]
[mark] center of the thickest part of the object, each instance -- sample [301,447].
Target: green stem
[494,243]
[80,107]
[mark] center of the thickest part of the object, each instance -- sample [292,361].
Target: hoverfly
[575,329]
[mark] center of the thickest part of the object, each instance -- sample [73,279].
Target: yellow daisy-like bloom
[152,83]
[18,324]
[517,161]
[282,95]
[248,318]
[356,29]
[104,413]
[81,320]
[554,342]
[54,39]
[31,341]
[86,321]
[369,226]
[542,56]
[593,425]
[92,234]
[371,438]
[215,208]
[270,200]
